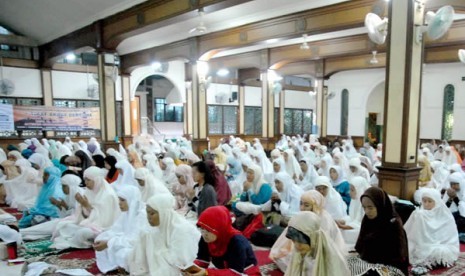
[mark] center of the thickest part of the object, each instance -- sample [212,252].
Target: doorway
[135,116]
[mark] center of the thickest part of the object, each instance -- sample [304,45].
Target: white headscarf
[102,198]
[167,248]
[169,175]
[449,156]
[258,180]
[152,185]
[73,182]
[356,212]
[361,171]
[127,177]
[153,165]
[327,258]
[40,160]
[324,170]
[335,206]
[290,196]
[292,165]
[432,234]
[440,175]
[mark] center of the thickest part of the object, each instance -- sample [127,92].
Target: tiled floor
[6,270]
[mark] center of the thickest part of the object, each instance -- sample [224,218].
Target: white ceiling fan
[436,24]
[377,28]
[201,28]
[461,54]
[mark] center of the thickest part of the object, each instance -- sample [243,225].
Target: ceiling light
[304,45]
[222,72]
[273,76]
[202,68]
[156,65]
[70,57]
[272,40]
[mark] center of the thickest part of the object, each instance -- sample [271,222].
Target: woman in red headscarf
[225,247]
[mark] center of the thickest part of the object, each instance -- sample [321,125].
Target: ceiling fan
[201,28]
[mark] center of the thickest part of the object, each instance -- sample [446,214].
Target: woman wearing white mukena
[97,211]
[114,245]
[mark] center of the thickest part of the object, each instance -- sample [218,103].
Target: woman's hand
[83,201]
[247,186]
[100,245]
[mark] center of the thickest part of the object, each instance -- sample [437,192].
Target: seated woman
[20,187]
[233,175]
[112,175]
[125,174]
[255,193]
[43,209]
[184,190]
[433,239]
[314,202]
[314,252]
[97,210]
[148,184]
[169,245]
[67,206]
[339,183]
[325,164]
[382,242]
[204,192]
[168,167]
[223,192]
[225,247]
[335,206]
[114,245]
[350,225]
[307,178]
[286,201]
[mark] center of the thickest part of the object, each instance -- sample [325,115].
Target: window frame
[165,111]
[258,128]
[222,116]
[303,110]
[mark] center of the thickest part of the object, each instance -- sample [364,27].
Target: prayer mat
[13,211]
[267,266]
[457,270]
[37,249]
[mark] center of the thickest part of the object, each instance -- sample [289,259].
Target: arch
[448,112]
[141,73]
[344,111]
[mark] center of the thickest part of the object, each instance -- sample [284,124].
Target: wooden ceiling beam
[342,16]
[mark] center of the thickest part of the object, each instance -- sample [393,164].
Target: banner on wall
[7,122]
[47,118]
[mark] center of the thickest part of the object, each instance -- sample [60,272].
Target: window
[297,121]
[344,111]
[252,120]
[222,119]
[167,113]
[448,112]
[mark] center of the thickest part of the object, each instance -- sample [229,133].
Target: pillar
[47,91]
[398,174]
[197,110]
[107,97]
[321,107]
[126,114]
[241,108]
[282,104]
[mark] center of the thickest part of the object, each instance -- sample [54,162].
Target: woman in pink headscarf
[223,192]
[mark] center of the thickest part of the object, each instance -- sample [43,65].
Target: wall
[27,82]
[361,83]
[217,88]
[375,103]
[253,96]
[299,99]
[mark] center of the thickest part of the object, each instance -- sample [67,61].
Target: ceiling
[45,20]
[234,16]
